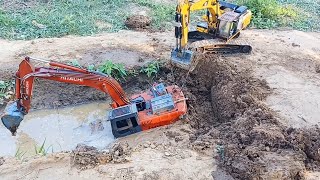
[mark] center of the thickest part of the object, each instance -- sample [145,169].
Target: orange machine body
[149,120]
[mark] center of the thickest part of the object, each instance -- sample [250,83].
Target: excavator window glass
[227,29]
[121,124]
[127,123]
[224,29]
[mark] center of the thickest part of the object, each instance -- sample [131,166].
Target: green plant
[75,63]
[221,151]
[273,13]
[115,70]
[161,13]
[6,90]
[40,150]
[151,69]
[91,67]
[58,18]
[20,154]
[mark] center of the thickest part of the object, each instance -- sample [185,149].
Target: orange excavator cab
[158,106]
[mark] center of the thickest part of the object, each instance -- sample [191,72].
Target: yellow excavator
[222,22]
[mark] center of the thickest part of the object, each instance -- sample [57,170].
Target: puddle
[61,129]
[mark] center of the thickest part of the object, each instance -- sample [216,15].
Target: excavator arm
[57,72]
[182,18]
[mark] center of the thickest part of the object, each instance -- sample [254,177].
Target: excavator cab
[228,24]
[232,22]
[124,120]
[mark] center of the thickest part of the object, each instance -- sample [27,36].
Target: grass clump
[115,70]
[20,154]
[74,63]
[41,150]
[58,18]
[151,69]
[161,13]
[278,13]
[6,90]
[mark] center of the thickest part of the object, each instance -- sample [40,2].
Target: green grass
[58,18]
[162,14]
[151,69]
[115,70]
[75,17]
[40,150]
[6,91]
[284,13]
[62,17]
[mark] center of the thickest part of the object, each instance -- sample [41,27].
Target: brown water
[61,129]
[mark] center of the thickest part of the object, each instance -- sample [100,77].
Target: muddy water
[61,129]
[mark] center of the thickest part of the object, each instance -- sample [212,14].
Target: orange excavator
[158,106]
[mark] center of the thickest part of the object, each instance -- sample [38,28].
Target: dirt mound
[138,22]
[225,108]
[307,141]
[86,157]
[1,160]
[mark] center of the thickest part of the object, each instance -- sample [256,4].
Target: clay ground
[245,104]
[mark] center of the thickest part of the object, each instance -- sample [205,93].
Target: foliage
[58,18]
[274,13]
[40,150]
[115,70]
[221,152]
[91,67]
[20,154]
[151,69]
[161,13]
[74,63]
[6,90]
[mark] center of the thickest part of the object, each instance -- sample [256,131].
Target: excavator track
[216,47]
[204,43]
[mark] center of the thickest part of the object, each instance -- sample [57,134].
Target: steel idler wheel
[12,117]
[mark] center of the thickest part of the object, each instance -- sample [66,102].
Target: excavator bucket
[12,117]
[182,59]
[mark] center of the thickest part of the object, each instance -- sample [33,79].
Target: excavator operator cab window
[227,29]
[124,120]
[228,24]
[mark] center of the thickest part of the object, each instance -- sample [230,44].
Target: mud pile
[86,157]
[226,110]
[138,22]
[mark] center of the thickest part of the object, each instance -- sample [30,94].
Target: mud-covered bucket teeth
[12,117]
